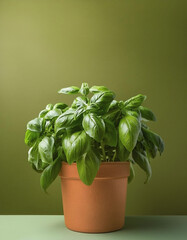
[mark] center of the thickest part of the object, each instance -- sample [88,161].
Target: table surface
[45,227]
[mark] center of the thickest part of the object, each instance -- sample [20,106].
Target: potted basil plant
[93,145]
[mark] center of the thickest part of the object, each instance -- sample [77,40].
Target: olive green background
[131,47]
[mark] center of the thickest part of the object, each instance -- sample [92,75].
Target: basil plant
[91,131]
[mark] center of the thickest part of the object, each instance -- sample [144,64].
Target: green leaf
[122,152]
[31,137]
[141,159]
[43,113]
[46,149]
[94,126]
[103,100]
[147,114]
[129,129]
[84,89]
[134,102]
[151,149]
[49,107]
[132,173]
[154,138]
[69,90]
[35,125]
[97,89]
[53,114]
[75,145]
[79,102]
[50,173]
[66,120]
[33,155]
[60,106]
[110,136]
[88,166]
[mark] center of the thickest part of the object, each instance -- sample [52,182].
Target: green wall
[131,47]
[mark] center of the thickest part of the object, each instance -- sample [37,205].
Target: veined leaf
[134,102]
[45,148]
[43,113]
[53,114]
[79,102]
[69,90]
[129,128]
[60,106]
[147,114]
[35,125]
[154,138]
[75,145]
[94,126]
[141,159]
[97,89]
[31,137]
[88,166]
[122,152]
[110,136]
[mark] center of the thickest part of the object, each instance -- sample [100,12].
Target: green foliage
[92,130]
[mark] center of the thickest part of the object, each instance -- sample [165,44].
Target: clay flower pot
[99,207]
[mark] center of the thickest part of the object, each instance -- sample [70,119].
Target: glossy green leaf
[53,114]
[103,100]
[75,145]
[31,137]
[132,173]
[79,102]
[147,114]
[35,125]
[69,90]
[45,148]
[88,166]
[49,107]
[60,106]
[110,136]
[134,102]
[97,89]
[122,152]
[129,128]
[43,113]
[141,159]
[66,120]
[94,126]
[84,89]
[154,138]
[50,173]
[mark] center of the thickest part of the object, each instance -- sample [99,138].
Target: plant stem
[103,150]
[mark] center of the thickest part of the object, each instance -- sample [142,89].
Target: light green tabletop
[30,227]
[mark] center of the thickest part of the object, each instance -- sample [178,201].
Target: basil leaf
[110,136]
[65,120]
[97,89]
[141,159]
[61,106]
[69,90]
[35,125]
[53,114]
[94,126]
[43,113]
[79,102]
[132,173]
[147,114]
[88,166]
[45,148]
[49,107]
[134,102]
[75,145]
[84,89]
[31,137]
[50,173]
[151,149]
[103,100]
[129,129]
[33,155]
[122,152]
[154,138]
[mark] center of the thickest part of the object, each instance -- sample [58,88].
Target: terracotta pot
[99,207]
